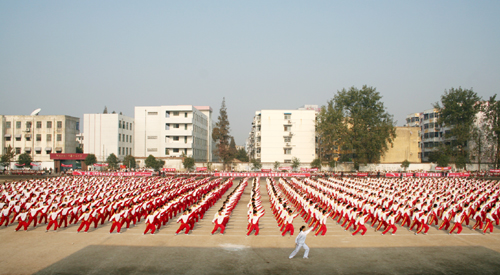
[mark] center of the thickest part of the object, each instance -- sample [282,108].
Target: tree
[276,165]
[152,162]
[242,155]
[188,163]
[90,159]
[8,156]
[295,163]
[105,110]
[79,150]
[458,110]
[356,122]
[316,163]
[25,160]
[129,161]
[112,161]
[405,164]
[221,137]
[256,164]
[492,118]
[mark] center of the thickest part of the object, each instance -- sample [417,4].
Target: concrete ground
[98,252]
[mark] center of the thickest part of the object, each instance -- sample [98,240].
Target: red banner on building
[169,169]
[423,175]
[285,168]
[112,174]
[18,164]
[101,164]
[458,175]
[362,174]
[494,170]
[123,167]
[265,170]
[201,168]
[66,165]
[253,175]
[395,175]
[35,164]
[309,169]
[68,156]
[442,168]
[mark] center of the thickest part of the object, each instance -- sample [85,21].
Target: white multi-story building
[106,134]
[171,131]
[39,136]
[281,135]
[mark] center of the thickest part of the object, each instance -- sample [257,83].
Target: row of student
[255,209]
[221,217]
[283,213]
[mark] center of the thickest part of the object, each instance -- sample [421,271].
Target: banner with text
[112,174]
[308,169]
[286,175]
[201,168]
[422,175]
[395,175]
[442,168]
[169,169]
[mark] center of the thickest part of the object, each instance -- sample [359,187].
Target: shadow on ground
[245,260]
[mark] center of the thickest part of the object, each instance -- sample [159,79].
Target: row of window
[174,113]
[431,125]
[124,125]
[124,151]
[431,116]
[175,150]
[28,124]
[124,138]
[38,137]
[38,151]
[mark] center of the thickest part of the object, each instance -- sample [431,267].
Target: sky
[75,57]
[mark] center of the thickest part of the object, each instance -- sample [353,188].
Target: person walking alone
[300,241]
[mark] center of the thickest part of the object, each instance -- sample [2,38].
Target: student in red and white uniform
[53,215]
[219,221]
[322,223]
[86,219]
[391,224]
[150,223]
[5,214]
[289,222]
[22,218]
[116,222]
[458,222]
[184,220]
[489,221]
[360,223]
[254,222]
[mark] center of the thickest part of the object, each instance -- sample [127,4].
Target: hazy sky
[75,57]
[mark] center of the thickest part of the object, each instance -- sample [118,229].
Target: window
[59,124]
[27,137]
[152,113]
[77,126]
[152,149]
[119,124]
[167,126]
[176,138]
[7,138]
[126,151]
[152,137]
[18,124]
[426,126]
[18,150]
[18,137]
[130,126]
[38,137]
[119,137]
[185,126]
[49,137]
[7,125]
[167,152]
[287,151]
[288,161]
[126,126]
[59,137]
[176,126]
[130,139]
[287,128]
[185,114]
[431,125]
[185,139]
[49,124]
[431,115]
[28,124]
[426,135]
[176,113]
[176,150]
[38,124]
[126,138]
[288,116]
[287,139]
[119,150]
[38,152]
[167,114]
[426,116]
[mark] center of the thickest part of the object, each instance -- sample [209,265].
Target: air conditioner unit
[28,129]
[289,122]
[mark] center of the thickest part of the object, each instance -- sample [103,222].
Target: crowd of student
[383,203]
[412,202]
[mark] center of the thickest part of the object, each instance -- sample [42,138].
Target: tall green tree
[256,164]
[295,163]
[8,156]
[316,163]
[276,165]
[152,162]
[129,161]
[188,163]
[492,118]
[242,155]
[355,121]
[90,159]
[222,138]
[112,161]
[458,110]
[25,159]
